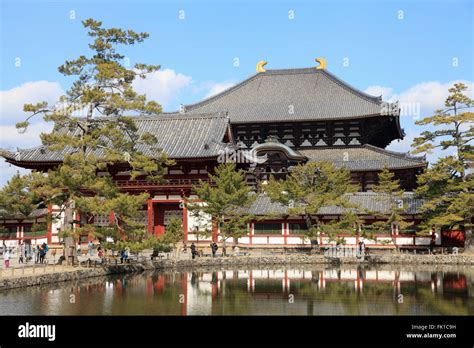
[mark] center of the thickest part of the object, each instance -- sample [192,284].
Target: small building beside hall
[277,119]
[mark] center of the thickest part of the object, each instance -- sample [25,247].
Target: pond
[278,290]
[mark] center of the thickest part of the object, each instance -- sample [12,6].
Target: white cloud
[218,88]
[376,91]
[428,96]
[7,170]
[162,86]
[10,138]
[418,101]
[12,100]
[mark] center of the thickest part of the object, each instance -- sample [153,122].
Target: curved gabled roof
[366,202]
[286,95]
[198,136]
[365,157]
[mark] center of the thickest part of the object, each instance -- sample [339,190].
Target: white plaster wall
[294,240]
[277,240]
[244,240]
[199,219]
[404,241]
[259,240]
[422,241]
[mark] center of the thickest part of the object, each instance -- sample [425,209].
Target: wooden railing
[35,233]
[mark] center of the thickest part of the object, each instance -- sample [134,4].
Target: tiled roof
[368,202]
[366,157]
[199,136]
[34,214]
[291,95]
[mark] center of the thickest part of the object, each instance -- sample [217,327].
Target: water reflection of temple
[330,291]
[202,290]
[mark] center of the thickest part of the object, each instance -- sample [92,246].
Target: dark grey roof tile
[199,136]
[312,94]
[368,202]
[366,157]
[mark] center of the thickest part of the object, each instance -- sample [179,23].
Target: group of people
[26,253]
[363,251]
[90,250]
[214,248]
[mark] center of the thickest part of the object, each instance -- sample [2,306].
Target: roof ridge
[309,70]
[166,116]
[312,70]
[351,88]
[180,116]
[403,155]
[372,193]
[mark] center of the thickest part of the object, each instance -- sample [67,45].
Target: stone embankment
[219,262]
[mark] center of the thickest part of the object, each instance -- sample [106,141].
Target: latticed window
[371,229]
[101,220]
[142,218]
[270,228]
[297,228]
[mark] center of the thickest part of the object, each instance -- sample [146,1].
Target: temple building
[286,117]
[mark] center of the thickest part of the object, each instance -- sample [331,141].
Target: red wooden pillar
[150,216]
[160,222]
[215,286]
[50,224]
[185,222]
[215,231]
[111,218]
[285,233]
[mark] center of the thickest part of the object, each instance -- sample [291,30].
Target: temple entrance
[161,212]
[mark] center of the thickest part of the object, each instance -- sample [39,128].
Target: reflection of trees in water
[158,293]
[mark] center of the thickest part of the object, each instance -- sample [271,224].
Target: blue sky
[405,50]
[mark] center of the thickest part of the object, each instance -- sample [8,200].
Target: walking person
[214,248]
[100,253]
[362,248]
[21,252]
[90,246]
[28,252]
[432,242]
[122,255]
[6,257]
[37,253]
[193,251]
[43,250]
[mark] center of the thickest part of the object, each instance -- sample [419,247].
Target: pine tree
[225,199]
[16,199]
[447,186]
[308,189]
[94,132]
[390,188]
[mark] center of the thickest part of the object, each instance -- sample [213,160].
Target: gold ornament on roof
[260,66]
[322,63]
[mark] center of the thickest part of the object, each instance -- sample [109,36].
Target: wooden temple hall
[288,116]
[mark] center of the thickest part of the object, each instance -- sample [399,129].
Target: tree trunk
[469,239]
